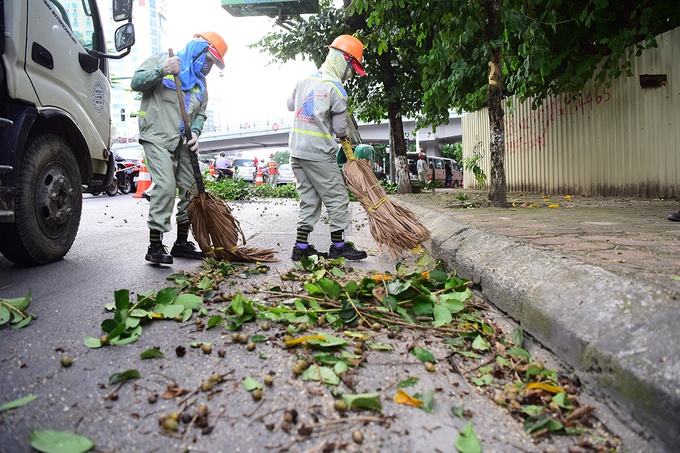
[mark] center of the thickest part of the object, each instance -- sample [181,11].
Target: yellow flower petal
[546,387]
[304,339]
[404,398]
[554,205]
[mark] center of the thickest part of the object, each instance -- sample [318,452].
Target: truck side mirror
[125,37]
[122,10]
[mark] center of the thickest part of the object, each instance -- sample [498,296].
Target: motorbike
[110,190]
[125,174]
[225,173]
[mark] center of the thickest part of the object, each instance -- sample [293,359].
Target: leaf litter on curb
[326,316]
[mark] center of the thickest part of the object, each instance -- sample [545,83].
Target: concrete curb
[621,336]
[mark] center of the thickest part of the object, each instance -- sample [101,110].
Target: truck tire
[48,204]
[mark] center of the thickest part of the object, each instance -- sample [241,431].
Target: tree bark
[498,190]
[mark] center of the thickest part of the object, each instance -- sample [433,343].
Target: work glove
[171,66]
[193,143]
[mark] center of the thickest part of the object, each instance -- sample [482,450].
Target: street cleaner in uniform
[161,134]
[320,105]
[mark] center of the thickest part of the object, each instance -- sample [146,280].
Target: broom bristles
[217,232]
[391,225]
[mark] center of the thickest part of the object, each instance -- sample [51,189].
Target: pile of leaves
[328,315]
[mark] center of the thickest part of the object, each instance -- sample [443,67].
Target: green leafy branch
[13,311]
[126,325]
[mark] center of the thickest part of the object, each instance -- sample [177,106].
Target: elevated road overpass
[272,135]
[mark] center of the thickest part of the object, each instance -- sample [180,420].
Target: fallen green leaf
[49,441]
[321,374]
[17,402]
[423,354]
[128,374]
[427,397]
[93,343]
[543,421]
[329,341]
[467,441]
[151,354]
[363,401]
[481,344]
[251,384]
[458,411]
[378,346]
[214,321]
[517,337]
[409,382]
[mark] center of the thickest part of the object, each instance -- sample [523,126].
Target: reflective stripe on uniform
[314,133]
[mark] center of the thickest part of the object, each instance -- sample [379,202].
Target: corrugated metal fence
[617,141]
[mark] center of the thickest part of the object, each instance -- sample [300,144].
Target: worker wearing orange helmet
[320,105]
[161,132]
[273,167]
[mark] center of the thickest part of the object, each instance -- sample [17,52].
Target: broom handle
[347,148]
[187,134]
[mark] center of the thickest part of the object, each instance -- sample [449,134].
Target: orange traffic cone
[258,179]
[213,172]
[143,181]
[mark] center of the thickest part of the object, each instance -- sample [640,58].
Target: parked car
[244,168]
[286,175]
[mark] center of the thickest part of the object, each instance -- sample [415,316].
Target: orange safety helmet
[217,49]
[354,48]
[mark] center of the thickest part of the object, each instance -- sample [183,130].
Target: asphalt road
[108,255]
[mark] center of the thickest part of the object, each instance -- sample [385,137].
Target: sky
[249,89]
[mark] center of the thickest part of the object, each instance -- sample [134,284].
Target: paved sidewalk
[596,280]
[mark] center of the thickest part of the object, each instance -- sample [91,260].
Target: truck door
[57,34]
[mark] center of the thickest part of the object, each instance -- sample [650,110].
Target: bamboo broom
[392,226]
[212,223]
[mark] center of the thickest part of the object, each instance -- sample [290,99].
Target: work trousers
[320,183]
[170,170]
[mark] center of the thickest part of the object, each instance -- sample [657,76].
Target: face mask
[207,66]
[349,72]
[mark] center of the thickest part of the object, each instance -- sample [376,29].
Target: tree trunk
[498,190]
[397,141]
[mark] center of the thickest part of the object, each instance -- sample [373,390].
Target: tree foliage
[425,58]
[548,46]
[541,47]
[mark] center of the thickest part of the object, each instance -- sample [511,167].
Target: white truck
[55,119]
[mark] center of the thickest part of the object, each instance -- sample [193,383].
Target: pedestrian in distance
[421,168]
[223,167]
[273,168]
[320,105]
[161,130]
[447,173]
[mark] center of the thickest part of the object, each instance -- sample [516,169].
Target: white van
[437,170]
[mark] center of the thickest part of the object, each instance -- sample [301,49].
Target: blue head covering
[191,60]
